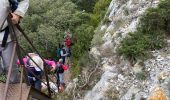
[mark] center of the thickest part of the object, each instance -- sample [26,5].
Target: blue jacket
[13,4]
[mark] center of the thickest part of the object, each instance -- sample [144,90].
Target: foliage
[99,11]
[2,78]
[84,33]
[86,5]
[78,65]
[106,20]
[150,33]
[97,37]
[141,76]
[62,96]
[47,20]
[137,45]
[83,36]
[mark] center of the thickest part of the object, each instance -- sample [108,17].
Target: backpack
[68,42]
[64,51]
[60,68]
[58,52]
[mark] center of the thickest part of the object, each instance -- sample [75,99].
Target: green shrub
[141,76]
[75,69]
[99,11]
[83,34]
[126,11]
[97,39]
[106,20]
[83,37]
[133,47]
[86,60]
[119,23]
[149,35]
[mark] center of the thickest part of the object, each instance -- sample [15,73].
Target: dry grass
[107,51]
[112,94]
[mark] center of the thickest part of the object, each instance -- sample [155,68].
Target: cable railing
[45,67]
[20,57]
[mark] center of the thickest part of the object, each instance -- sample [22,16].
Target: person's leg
[6,57]
[1,66]
[63,60]
[57,78]
[38,80]
[2,72]
[31,81]
[38,84]
[66,60]
[68,51]
[1,62]
[61,78]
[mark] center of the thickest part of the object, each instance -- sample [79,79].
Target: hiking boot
[64,85]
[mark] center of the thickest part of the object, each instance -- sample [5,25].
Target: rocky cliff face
[120,79]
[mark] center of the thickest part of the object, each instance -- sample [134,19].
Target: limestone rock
[158,94]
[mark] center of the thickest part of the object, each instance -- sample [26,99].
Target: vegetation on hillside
[150,34]
[47,20]
[86,5]
[84,34]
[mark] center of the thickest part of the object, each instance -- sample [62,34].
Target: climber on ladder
[8,45]
[34,65]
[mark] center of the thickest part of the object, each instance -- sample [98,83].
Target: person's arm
[24,61]
[20,11]
[53,65]
[61,52]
